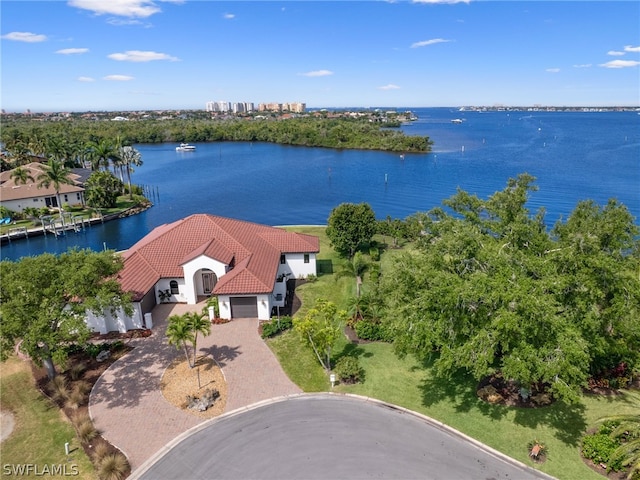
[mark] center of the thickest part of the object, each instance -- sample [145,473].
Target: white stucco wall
[165,284]
[296,266]
[39,201]
[118,322]
[192,277]
[264,306]
[224,306]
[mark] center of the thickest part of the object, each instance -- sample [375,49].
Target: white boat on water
[456,120]
[185,147]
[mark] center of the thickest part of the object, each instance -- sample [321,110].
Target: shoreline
[24,233]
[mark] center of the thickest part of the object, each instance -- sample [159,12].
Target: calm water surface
[574,155]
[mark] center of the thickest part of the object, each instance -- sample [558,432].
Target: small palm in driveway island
[183,329]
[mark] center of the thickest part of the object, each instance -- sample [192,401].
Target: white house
[245,265]
[17,196]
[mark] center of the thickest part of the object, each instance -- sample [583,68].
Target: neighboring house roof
[9,190]
[254,251]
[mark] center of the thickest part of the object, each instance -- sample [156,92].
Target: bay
[574,156]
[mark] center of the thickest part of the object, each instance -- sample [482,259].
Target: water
[574,155]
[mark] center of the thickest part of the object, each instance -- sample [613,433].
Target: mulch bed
[137,333]
[497,390]
[91,374]
[352,336]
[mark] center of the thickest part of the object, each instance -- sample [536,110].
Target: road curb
[140,471]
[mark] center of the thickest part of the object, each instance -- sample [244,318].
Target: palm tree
[101,153]
[355,268]
[628,453]
[55,174]
[130,157]
[19,153]
[21,176]
[197,323]
[179,333]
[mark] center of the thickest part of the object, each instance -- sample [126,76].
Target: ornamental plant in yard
[320,328]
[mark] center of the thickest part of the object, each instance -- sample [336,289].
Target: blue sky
[81,55]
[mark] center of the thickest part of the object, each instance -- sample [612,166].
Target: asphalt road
[328,437]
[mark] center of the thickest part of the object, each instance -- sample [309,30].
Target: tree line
[68,139]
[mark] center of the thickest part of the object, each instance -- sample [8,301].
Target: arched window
[173,285]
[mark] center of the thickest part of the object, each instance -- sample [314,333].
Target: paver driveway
[126,403]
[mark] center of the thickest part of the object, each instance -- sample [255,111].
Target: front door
[208,282]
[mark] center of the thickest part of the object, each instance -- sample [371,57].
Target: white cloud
[390,86]
[118,78]
[140,56]
[228,16]
[583,65]
[615,53]
[629,48]
[552,70]
[86,79]
[317,73]
[72,51]
[119,22]
[620,64]
[450,2]
[122,8]
[25,37]
[425,43]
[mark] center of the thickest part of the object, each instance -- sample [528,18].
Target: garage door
[244,307]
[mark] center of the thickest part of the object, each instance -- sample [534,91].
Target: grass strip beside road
[40,429]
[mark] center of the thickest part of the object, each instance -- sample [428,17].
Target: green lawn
[411,384]
[41,430]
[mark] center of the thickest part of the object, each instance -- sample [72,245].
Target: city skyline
[83,55]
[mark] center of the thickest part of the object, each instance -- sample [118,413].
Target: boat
[185,147]
[456,120]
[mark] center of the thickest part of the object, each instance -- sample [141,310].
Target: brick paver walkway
[126,403]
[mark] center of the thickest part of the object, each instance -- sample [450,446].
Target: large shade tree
[350,226]
[489,288]
[44,301]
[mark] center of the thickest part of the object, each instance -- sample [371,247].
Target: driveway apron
[126,403]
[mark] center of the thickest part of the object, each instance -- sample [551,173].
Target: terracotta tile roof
[9,190]
[254,248]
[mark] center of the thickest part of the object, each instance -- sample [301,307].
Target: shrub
[5,212]
[348,369]
[212,302]
[113,466]
[311,278]
[598,447]
[76,370]
[373,330]
[275,326]
[75,399]
[94,349]
[100,450]
[82,386]
[368,330]
[59,388]
[86,430]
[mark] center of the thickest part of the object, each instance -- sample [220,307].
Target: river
[574,156]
